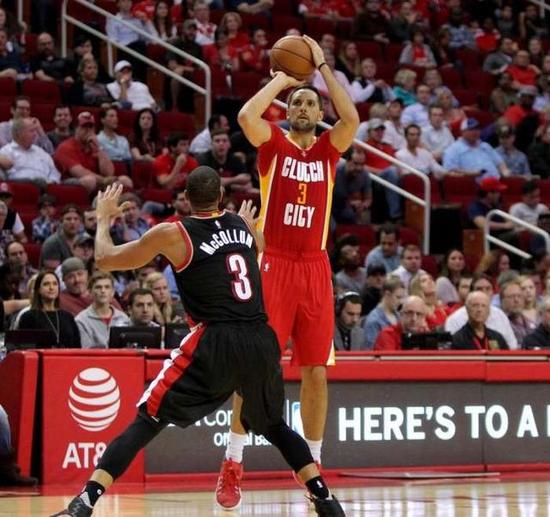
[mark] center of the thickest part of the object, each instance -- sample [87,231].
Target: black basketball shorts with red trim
[212,362]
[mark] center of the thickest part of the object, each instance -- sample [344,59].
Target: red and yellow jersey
[296,188]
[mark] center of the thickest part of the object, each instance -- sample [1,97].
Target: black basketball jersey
[221,282]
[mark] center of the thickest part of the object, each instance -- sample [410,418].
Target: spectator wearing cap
[372,290]
[416,156]
[128,93]
[436,136]
[351,276]
[121,33]
[539,153]
[348,334]
[367,88]
[83,249]
[516,113]
[472,157]
[529,208]
[82,161]
[388,251]
[172,167]
[386,313]
[74,297]
[45,224]
[21,108]
[115,146]
[488,198]
[19,266]
[11,225]
[182,96]
[62,119]
[351,198]
[381,166]
[514,159]
[522,71]
[46,65]
[131,225]
[59,246]
[22,160]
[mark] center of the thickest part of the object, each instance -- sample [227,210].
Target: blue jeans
[5,433]
[393,199]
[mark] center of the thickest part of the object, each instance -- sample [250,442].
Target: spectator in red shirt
[382,167]
[172,167]
[517,112]
[255,57]
[412,319]
[231,23]
[81,160]
[423,285]
[522,71]
[220,55]
[487,37]
[181,206]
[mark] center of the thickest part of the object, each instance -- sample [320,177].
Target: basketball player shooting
[297,173]
[231,347]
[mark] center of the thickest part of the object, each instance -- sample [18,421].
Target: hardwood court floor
[512,496]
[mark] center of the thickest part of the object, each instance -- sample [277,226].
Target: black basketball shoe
[327,507]
[77,508]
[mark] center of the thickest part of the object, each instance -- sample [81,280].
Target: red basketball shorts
[298,298]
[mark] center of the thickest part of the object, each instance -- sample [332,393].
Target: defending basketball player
[231,347]
[297,174]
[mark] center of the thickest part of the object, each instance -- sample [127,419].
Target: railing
[513,249]
[206,91]
[426,203]
[542,5]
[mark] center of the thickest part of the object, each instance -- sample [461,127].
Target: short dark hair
[392,283]
[61,107]
[480,276]
[412,126]
[203,186]
[100,275]
[218,132]
[388,229]
[19,98]
[213,120]
[139,291]
[410,247]
[306,87]
[529,187]
[70,207]
[175,138]
[104,111]
[177,191]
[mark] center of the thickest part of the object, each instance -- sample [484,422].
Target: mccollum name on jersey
[225,237]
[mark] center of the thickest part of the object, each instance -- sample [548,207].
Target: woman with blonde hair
[405,82]
[423,285]
[530,295]
[164,311]
[231,23]
[348,60]
[493,263]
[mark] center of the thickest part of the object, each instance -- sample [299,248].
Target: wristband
[319,67]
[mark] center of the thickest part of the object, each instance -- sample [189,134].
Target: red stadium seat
[459,189]
[142,174]
[386,71]
[171,121]
[467,97]
[370,49]
[255,21]
[44,113]
[121,168]
[316,27]
[513,193]
[479,81]
[156,53]
[33,251]
[408,236]
[363,108]
[451,78]
[41,91]
[393,51]
[8,88]
[5,110]
[429,264]
[27,219]
[157,194]
[545,191]
[364,233]
[415,185]
[469,58]
[65,194]
[25,196]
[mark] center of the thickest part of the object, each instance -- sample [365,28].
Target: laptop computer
[175,332]
[427,341]
[135,337]
[29,339]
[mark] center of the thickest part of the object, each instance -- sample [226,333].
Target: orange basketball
[292,56]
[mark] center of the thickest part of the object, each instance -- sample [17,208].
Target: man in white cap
[128,93]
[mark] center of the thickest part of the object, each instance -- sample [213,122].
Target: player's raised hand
[248,211]
[316,51]
[108,202]
[291,82]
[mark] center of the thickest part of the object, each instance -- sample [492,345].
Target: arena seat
[65,194]
[393,52]
[545,191]
[363,232]
[121,168]
[156,194]
[414,184]
[142,174]
[170,121]
[479,81]
[44,113]
[485,118]
[25,196]
[41,92]
[245,84]
[256,21]
[459,189]
[33,251]
[513,193]
[408,236]
[316,27]
[467,97]
[27,219]
[8,88]
[370,49]
[470,58]
[451,77]
[429,264]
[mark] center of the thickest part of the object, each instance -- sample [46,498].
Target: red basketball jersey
[296,188]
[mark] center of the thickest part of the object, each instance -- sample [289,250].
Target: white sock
[315,448]
[235,447]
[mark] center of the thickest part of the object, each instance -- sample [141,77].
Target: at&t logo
[94,399]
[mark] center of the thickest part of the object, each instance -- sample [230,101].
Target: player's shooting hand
[316,51]
[248,211]
[290,82]
[108,202]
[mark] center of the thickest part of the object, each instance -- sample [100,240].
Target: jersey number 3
[236,265]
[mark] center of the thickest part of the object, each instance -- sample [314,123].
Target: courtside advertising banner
[386,424]
[86,402]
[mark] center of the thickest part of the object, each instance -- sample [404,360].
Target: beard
[302,126]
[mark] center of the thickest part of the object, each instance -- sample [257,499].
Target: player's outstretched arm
[257,129]
[343,132]
[163,239]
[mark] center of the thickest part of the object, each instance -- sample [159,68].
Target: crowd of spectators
[408,67]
